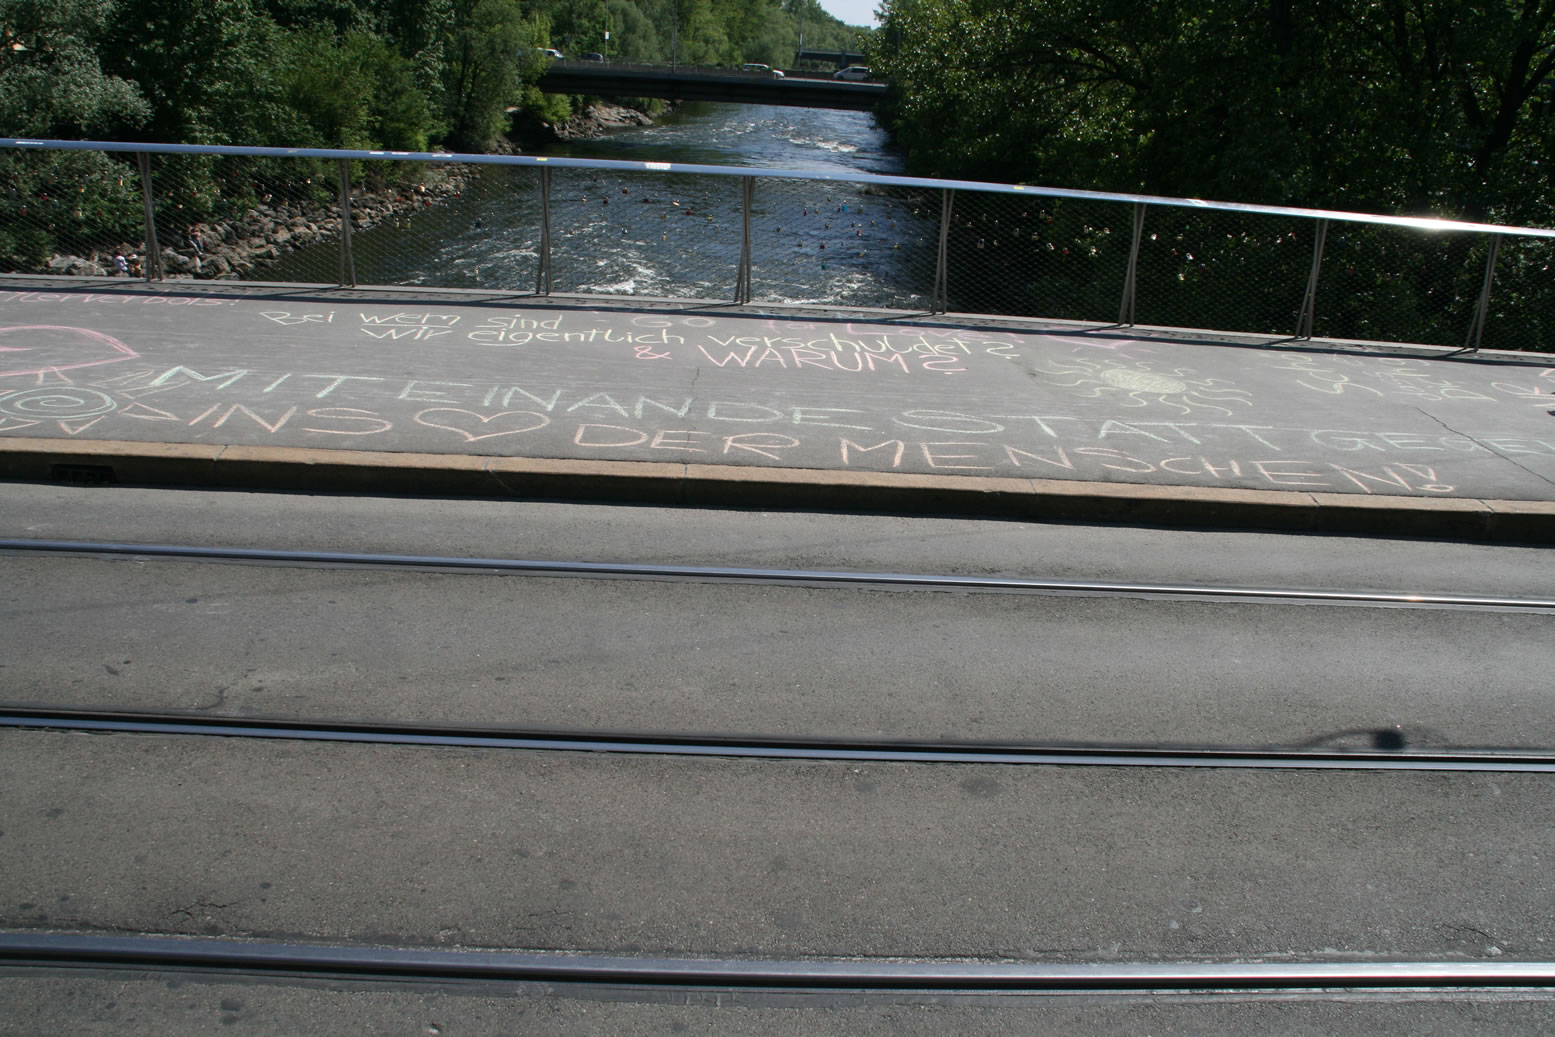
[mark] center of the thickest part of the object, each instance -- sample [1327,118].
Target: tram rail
[746,574]
[269,958]
[737,746]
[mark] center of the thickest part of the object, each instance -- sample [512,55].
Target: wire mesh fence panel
[441,225]
[270,217]
[235,217]
[1226,271]
[660,235]
[1037,257]
[842,244]
[1390,284]
[69,212]
[1522,300]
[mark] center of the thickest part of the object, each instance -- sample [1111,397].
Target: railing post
[152,264]
[347,260]
[1131,278]
[1309,302]
[1477,328]
[742,282]
[941,300]
[543,277]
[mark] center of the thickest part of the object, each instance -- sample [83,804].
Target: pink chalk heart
[470,424]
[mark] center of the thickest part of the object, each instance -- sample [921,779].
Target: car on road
[855,72]
[593,57]
[550,52]
[762,70]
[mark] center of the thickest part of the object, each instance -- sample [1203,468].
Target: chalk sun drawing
[61,402]
[1141,387]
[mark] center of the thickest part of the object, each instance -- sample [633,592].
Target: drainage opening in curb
[82,474]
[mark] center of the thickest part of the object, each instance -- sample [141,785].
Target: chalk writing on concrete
[794,346]
[1061,435]
[288,319]
[116,298]
[417,326]
[374,393]
[1411,378]
[1230,455]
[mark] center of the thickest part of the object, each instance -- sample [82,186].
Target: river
[669,234]
[811,139]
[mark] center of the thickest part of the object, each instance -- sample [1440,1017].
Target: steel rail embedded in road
[99,951]
[755,747]
[744,574]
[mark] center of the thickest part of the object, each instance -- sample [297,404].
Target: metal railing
[768,236]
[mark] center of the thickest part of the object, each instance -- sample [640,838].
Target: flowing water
[672,234]
[811,139]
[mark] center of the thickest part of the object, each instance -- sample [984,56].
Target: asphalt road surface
[671,855]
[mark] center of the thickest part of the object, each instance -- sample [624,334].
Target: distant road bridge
[703,84]
[840,58]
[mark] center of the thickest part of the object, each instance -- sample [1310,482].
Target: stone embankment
[599,119]
[238,246]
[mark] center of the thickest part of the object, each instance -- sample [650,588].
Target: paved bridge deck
[444,392]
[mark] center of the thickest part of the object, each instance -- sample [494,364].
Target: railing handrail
[1422,223]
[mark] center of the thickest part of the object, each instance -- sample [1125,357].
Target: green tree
[205,65]
[1412,105]
[52,85]
[51,81]
[634,35]
[1422,107]
[481,71]
[353,91]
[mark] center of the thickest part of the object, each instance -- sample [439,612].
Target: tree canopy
[398,74]
[696,32]
[1440,107]
[51,79]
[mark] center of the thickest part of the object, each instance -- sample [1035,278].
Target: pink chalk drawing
[467,423]
[45,348]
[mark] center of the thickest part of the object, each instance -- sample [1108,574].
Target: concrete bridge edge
[306,470]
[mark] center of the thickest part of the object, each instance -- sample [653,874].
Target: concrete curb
[292,469]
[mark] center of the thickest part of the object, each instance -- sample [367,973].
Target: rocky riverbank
[240,246]
[595,120]
[599,119]
[237,247]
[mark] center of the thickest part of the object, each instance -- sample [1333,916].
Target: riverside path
[277,386]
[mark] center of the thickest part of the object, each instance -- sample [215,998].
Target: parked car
[762,70]
[852,72]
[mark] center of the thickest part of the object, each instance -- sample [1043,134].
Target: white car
[852,72]
[762,70]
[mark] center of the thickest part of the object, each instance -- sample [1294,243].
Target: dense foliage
[1424,106]
[1418,107]
[697,32]
[400,74]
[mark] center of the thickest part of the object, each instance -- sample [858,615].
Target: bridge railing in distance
[544,226]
